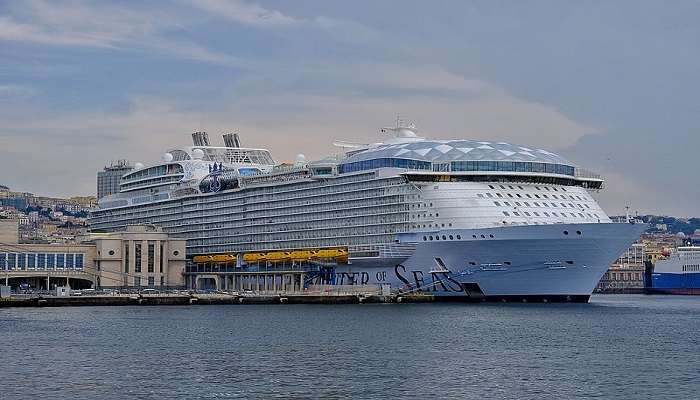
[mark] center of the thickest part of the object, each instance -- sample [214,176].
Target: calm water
[616,347]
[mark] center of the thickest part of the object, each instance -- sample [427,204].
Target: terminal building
[141,256]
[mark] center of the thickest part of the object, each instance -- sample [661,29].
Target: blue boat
[679,273]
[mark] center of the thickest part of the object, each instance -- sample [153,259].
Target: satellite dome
[197,154]
[167,157]
[300,160]
[138,165]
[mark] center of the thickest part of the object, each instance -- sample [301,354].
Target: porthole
[474,236]
[566,232]
[578,232]
[431,238]
[425,238]
[176,253]
[459,237]
[444,237]
[483,237]
[491,236]
[111,252]
[570,262]
[452,237]
[472,263]
[506,262]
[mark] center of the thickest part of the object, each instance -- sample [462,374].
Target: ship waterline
[489,219]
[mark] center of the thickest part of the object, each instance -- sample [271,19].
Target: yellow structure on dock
[335,254]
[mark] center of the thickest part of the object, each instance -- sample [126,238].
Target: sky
[612,86]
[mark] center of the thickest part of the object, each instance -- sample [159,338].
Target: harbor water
[618,346]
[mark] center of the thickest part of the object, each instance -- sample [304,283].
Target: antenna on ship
[402,130]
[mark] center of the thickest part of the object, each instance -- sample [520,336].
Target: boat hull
[561,262]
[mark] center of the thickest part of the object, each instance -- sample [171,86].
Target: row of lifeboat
[332,254]
[215,258]
[335,254]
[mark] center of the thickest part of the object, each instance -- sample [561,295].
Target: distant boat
[679,273]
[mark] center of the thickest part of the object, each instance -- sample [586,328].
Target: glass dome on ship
[407,211]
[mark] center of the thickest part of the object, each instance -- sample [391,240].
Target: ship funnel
[200,139]
[232,140]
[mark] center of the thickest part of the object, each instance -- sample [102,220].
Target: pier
[320,296]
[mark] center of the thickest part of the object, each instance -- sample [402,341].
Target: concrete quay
[206,299]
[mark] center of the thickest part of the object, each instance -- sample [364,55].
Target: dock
[207,299]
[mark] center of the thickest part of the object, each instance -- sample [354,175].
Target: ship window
[578,232]
[520,187]
[452,237]
[538,196]
[510,195]
[491,236]
[517,204]
[497,203]
[545,196]
[506,213]
[499,195]
[474,236]
[425,238]
[566,232]
[527,213]
[489,195]
[537,187]
[480,195]
[518,195]
[431,238]
[546,188]
[444,237]
[483,237]
[527,204]
[459,237]
[506,203]
[516,213]
[546,214]
[491,187]
[536,214]
[528,195]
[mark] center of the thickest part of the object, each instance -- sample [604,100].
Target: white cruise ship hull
[513,263]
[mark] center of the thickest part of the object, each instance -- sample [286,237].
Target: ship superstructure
[457,217]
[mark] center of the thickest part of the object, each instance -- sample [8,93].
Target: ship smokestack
[200,139]
[232,140]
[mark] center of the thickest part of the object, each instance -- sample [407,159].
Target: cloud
[245,13]
[106,27]
[14,92]
[254,15]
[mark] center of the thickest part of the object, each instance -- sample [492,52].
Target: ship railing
[584,173]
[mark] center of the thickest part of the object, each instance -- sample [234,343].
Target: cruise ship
[469,219]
